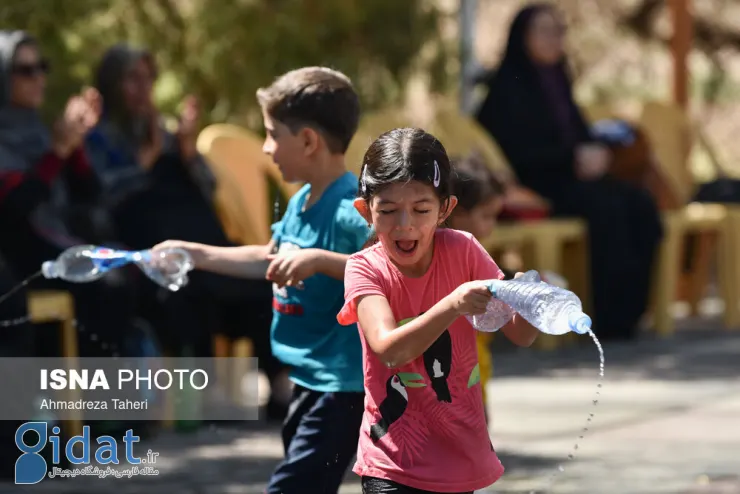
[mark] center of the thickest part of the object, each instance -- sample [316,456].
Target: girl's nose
[404,220]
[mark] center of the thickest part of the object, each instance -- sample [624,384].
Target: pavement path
[668,422]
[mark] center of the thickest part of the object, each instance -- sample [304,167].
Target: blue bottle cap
[579,322]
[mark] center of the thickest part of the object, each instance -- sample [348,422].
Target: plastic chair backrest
[229,205]
[462,135]
[670,133]
[238,154]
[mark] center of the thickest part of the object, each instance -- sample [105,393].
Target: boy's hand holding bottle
[292,267]
[191,248]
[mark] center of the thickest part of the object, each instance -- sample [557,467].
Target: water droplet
[576,446]
[570,456]
[93,337]
[561,468]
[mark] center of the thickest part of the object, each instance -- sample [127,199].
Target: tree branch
[709,36]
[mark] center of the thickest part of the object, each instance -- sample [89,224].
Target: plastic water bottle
[498,313]
[86,263]
[551,309]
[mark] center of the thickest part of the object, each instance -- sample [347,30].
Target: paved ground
[668,422]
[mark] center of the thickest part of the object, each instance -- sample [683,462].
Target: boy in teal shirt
[310,116]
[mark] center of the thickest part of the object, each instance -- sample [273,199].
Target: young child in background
[480,198]
[310,116]
[424,426]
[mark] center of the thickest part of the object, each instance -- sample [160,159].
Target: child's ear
[446,210]
[311,140]
[363,208]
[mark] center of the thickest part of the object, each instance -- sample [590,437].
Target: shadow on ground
[688,355]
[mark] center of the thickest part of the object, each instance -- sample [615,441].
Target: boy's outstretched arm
[247,261]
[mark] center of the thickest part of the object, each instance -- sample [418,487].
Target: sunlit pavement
[668,422]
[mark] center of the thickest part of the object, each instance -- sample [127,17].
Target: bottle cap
[493,285]
[580,323]
[49,270]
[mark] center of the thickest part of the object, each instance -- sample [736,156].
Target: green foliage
[224,50]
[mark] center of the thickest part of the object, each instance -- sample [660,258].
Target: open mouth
[407,247]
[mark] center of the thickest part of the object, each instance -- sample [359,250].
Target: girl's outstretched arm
[398,345]
[520,332]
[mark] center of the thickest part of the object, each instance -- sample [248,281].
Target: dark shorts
[320,436]
[372,485]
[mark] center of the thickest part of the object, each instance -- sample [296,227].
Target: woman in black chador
[531,113]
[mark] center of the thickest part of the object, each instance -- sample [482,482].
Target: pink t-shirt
[424,424]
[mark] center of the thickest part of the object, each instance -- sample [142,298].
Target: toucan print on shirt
[437,360]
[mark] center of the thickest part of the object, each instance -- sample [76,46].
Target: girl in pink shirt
[424,427]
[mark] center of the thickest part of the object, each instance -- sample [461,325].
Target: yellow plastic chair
[671,134]
[230,208]
[237,153]
[58,306]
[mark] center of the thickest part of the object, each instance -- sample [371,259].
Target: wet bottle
[551,309]
[498,313]
[87,263]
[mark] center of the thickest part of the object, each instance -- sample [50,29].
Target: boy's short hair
[473,182]
[316,97]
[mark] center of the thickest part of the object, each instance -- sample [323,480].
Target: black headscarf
[516,55]
[554,80]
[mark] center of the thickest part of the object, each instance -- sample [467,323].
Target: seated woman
[159,187]
[531,113]
[47,189]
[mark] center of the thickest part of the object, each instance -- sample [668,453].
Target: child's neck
[326,173]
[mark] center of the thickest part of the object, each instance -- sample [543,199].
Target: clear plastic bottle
[550,309]
[497,312]
[86,263]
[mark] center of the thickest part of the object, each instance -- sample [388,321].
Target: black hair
[474,183]
[405,155]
